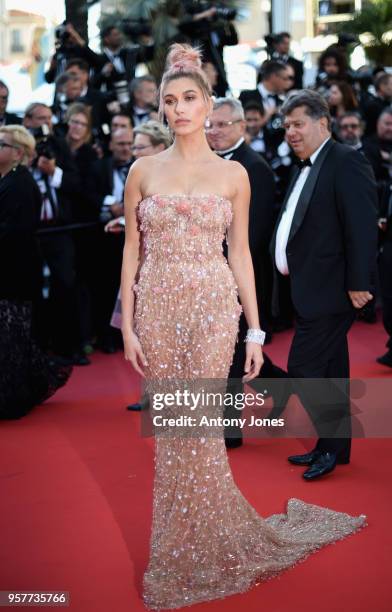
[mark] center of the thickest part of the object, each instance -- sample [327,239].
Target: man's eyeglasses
[4,98]
[220,125]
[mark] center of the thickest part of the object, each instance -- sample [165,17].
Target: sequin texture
[207,541]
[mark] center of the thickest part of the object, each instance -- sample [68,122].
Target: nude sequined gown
[207,541]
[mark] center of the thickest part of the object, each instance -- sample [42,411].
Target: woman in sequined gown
[207,541]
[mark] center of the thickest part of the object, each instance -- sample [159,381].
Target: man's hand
[359,299]
[107,69]
[47,166]
[117,210]
[115,226]
[75,37]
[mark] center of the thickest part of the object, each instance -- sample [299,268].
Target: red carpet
[76,481]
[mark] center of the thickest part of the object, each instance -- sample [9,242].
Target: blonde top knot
[183,57]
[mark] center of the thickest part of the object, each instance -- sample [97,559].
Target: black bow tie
[302,163]
[275,98]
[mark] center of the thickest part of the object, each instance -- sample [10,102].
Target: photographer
[68,90]
[79,69]
[69,44]
[279,49]
[58,180]
[210,25]
[118,62]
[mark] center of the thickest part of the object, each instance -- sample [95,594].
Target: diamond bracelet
[255,335]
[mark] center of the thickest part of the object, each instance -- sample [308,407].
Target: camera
[221,12]
[224,12]
[136,27]
[44,142]
[61,33]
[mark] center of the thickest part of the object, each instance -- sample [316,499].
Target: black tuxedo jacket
[101,181]
[131,56]
[333,237]
[98,103]
[261,208]
[251,95]
[11,119]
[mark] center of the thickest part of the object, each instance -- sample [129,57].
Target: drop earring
[207,122]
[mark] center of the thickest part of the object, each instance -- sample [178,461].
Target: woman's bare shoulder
[234,173]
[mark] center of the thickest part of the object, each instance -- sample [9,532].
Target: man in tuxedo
[144,99]
[325,240]
[350,130]
[225,135]
[118,62]
[91,97]
[377,104]
[58,180]
[6,118]
[281,53]
[106,185]
[378,149]
[269,91]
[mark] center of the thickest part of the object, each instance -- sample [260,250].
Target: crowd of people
[103,118]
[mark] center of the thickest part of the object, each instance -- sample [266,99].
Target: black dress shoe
[310,458]
[325,464]
[233,442]
[135,407]
[306,459]
[386,359]
[80,359]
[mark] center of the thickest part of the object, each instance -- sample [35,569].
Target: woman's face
[9,153]
[142,146]
[184,106]
[330,66]
[78,127]
[335,96]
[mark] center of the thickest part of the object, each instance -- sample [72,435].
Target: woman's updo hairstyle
[184,61]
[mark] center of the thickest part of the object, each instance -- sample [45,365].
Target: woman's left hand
[254,361]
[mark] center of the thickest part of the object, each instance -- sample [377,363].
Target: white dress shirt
[283,231]
[268,101]
[227,153]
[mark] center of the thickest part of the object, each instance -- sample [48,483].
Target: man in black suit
[377,104]
[144,99]
[225,135]
[58,180]
[106,185]
[118,62]
[6,118]
[378,149]
[269,91]
[91,97]
[325,240]
[281,53]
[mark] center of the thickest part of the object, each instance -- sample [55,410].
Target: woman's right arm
[130,265]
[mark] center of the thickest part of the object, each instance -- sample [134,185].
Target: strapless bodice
[179,227]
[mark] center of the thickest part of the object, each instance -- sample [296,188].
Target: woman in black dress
[28,376]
